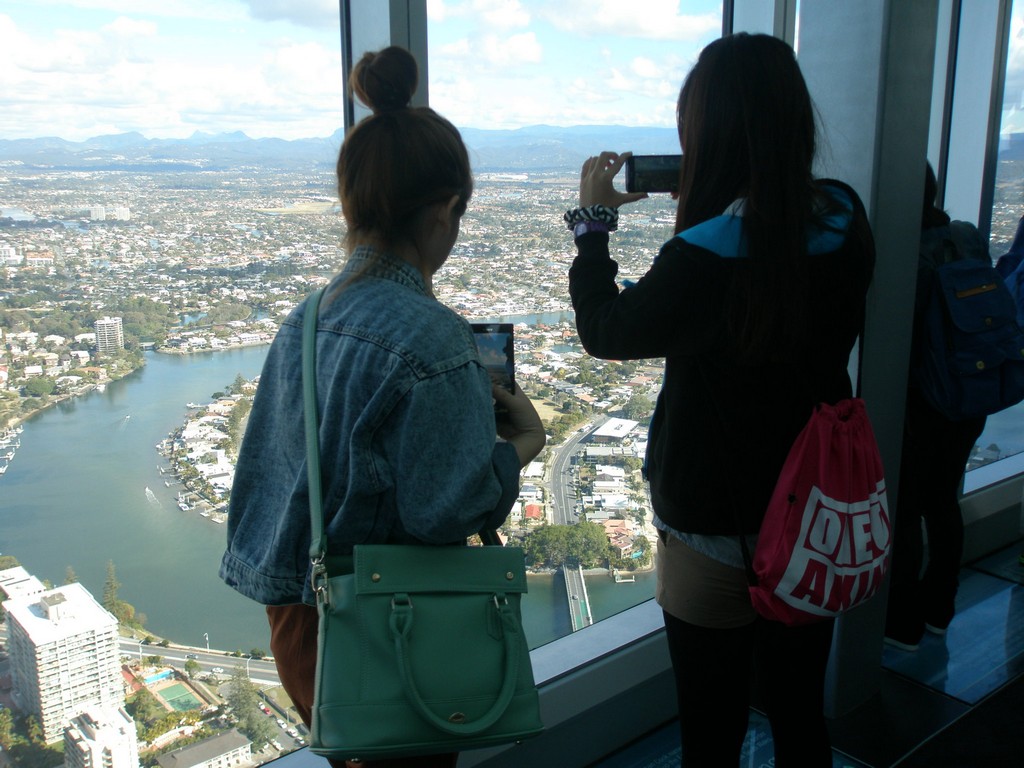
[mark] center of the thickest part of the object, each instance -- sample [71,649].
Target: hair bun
[385,80]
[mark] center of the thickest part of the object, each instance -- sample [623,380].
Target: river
[75,495]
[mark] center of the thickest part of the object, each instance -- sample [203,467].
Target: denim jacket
[407,434]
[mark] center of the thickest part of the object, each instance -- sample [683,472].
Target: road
[261,671]
[562,482]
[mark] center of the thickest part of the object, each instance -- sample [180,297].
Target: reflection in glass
[1004,432]
[514,84]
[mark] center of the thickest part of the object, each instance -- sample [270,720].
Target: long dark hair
[747,130]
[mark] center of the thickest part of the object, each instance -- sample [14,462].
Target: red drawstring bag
[825,541]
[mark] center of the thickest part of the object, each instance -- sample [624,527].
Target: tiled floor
[922,692]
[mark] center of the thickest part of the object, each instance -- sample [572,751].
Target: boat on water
[3,469]
[150,496]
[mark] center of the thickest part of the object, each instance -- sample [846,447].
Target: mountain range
[536,148]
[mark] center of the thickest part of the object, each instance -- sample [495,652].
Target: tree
[34,729]
[40,386]
[70,577]
[548,545]
[639,407]
[8,561]
[588,544]
[6,728]
[192,667]
[244,701]
[110,587]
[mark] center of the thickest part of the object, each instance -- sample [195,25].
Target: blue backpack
[968,353]
[1011,267]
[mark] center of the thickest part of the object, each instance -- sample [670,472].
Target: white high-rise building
[17,582]
[101,739]
[109,335]
[64,656]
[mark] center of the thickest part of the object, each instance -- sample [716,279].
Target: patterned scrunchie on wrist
[602,213]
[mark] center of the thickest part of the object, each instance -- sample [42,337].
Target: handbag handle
[311,417]
[401,625]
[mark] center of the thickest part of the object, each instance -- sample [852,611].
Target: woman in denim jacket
[408,433]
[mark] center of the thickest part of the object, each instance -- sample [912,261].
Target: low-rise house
[227,749]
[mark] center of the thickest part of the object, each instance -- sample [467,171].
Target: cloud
[130,75]
[195,9]
[1013,92]
[654,19]
[308,13]
[487,14]
[501,14]
[490,52]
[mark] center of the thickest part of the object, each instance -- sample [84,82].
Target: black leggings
[714,670]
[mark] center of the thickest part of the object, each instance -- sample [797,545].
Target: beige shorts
[700,590]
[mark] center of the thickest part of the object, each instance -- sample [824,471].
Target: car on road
[265,708]
[217,670]
[190,656]
[292,732]
[280,723]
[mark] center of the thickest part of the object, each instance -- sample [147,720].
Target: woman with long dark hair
[755,305]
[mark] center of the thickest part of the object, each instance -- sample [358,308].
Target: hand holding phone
[596,181]
[653,173]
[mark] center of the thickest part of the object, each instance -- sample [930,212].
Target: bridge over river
[576,594]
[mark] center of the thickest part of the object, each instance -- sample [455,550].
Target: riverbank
[79,390]
[218,348]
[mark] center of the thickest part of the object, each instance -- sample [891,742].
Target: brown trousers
[293,631]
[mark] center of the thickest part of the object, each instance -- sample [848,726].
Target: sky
[168,68]
[75,69]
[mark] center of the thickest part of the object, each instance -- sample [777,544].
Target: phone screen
[653,173]
[494,342]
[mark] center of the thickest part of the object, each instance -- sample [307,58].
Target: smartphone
[494,342]
[653,173]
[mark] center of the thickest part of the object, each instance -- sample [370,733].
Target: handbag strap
[311,418]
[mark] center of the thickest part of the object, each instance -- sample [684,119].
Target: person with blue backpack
[948,397]
[1011,266]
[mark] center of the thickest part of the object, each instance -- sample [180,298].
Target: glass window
[536,88]
[1000,450]
[168,167]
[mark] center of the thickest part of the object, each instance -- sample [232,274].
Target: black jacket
[721,429]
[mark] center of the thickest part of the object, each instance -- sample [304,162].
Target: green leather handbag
[420,649]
